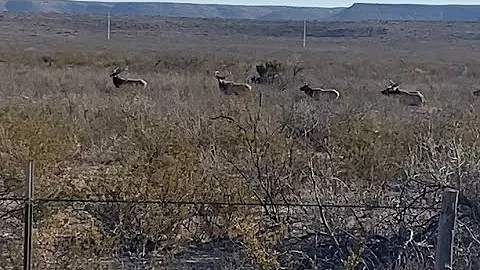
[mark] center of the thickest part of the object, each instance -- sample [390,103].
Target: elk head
[117,71]
[222,77]
[393,88]
[305,87]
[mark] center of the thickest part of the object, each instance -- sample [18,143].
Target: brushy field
[182,140]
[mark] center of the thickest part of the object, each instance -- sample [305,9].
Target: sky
[308,3]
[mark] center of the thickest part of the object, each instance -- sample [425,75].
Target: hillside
[172,9]
[407,12]
[357,12]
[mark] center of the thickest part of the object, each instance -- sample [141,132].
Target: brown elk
[319,93]
[409,98]
[229,87]
[118,81]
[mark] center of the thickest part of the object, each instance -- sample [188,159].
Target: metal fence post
[27,244]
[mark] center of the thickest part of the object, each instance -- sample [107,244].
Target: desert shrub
[32,133]
[366,151]
[446,149]
[167,143]
[269,71]
[259,242]
[69,240]
[12,256]
[255,149]
[146,158]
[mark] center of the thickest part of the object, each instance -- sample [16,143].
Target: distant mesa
[357,12]
[409,12]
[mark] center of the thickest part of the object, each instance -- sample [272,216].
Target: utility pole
[108,26]
[304,32]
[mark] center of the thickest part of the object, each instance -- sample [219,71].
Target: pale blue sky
[310,3]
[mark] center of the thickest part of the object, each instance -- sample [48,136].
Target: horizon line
[262,5]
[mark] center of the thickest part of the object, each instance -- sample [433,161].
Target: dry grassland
[181,139]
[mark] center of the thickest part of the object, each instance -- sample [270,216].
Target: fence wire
[165,202]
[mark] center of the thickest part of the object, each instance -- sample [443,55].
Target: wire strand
[159,202]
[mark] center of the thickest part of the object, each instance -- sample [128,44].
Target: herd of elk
[408,98]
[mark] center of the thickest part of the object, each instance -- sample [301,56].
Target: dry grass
[92,141]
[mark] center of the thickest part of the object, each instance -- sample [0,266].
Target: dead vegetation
[180,141]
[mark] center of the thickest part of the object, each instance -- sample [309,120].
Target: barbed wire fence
[446,223]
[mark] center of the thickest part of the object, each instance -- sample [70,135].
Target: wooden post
[27,244]
[446,230]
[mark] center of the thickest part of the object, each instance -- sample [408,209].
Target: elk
[229,87]
[476,93]
[409,98]
[319,93]
[118,81]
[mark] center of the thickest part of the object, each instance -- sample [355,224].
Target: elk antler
[117,71]
[392,83]
[217,74]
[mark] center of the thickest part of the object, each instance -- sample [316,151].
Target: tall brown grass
[182,140]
